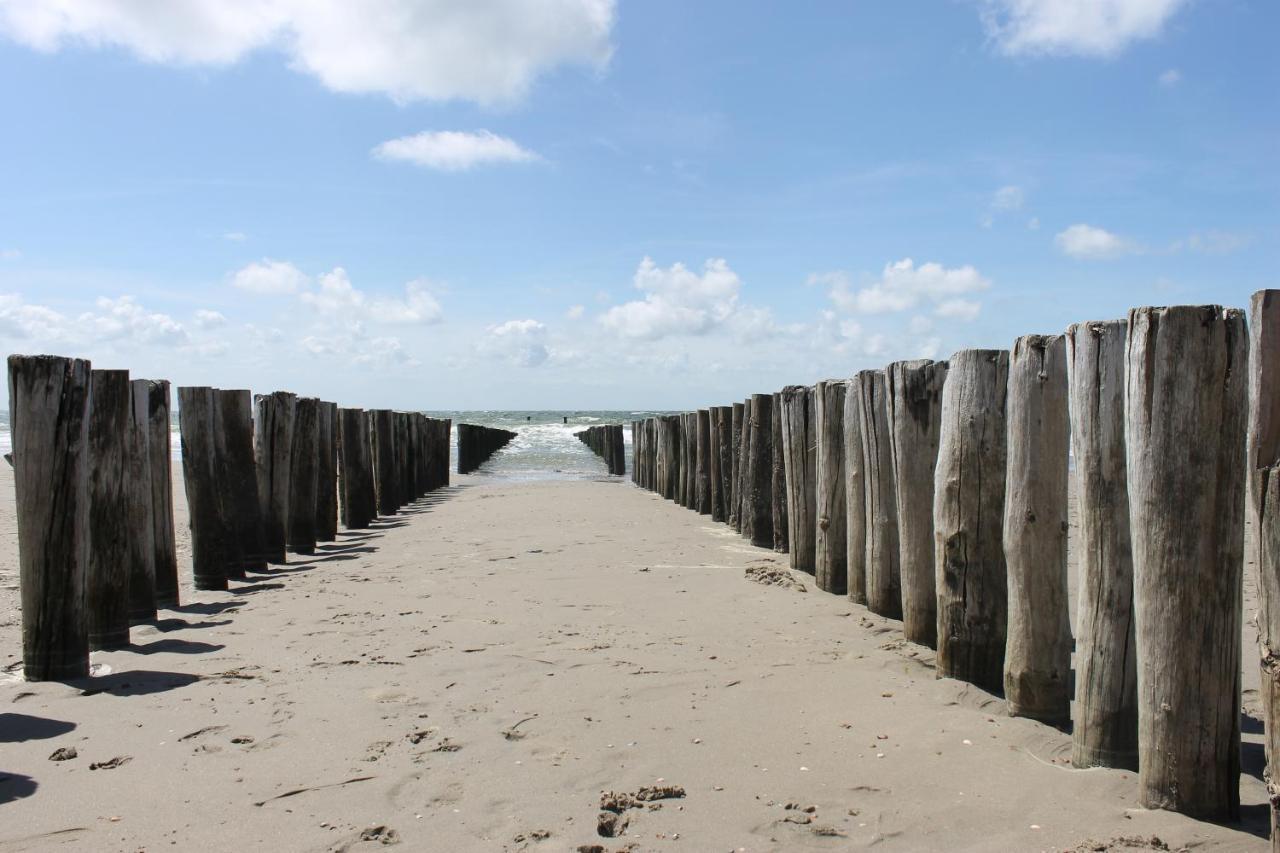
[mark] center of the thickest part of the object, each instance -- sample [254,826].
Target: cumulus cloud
[336,297]
[18,319]
[519,342]
[479,50]
[1008,197]
[1171,77]
[125,319]
[677,301]
[453,151]
[207,319]
[575,312]
[1089,242]
[1074,27]
[958,309]
[270,277]
[902,286]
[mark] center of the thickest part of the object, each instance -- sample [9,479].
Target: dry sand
[474,674]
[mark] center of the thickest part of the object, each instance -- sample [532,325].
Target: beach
[474,673]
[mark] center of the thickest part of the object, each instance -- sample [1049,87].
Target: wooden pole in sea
[235,437]
[140,509]
[107,578]
[830,563]
[1185,404]
[778,480]
[161,454]
[1037,660]
[968,517]
[210,545]
[884,575]
[49,424]
[760,471]
[736,412]
[703,489]
[303,479]
[385,462]
[801,471]
[327,473]
[273,447]
[914,399]
[855,495]
[1105,725]
[1263,460]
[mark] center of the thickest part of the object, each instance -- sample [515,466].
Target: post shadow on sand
[17,728]
[175,624]
[174,646]
[208,608]
[15,786]
[134,682]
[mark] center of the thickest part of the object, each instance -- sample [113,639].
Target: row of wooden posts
[477,443]
[606,441]
[937,493]
[263,477]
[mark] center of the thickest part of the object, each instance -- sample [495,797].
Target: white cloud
[30,322]
[453,150]
[575,312]
[1089,242]
[270,277]
[207,319]
[336,297]
[235,236]
[958,309]
[1171,77]
[1074,27]
[1008,198]
[519,342]
[407,49]
[903,285]
[677,301]
[125,319]
[1218,242]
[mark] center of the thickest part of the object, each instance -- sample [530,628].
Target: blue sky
[581,203]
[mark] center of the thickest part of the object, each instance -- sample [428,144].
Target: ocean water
[545,448]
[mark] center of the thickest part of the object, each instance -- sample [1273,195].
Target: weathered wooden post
[1264,492]
[703,486]
[736,412]
[357,504]
[801,473]
[830,563]
[884,578]
[1037,660]
[715,485]
[210,538]
[968,516]
[778,482]
[913,393]
[690,432]
[107,578]
[327,474]
[1185,404]
[140,512]
[303,477]
[745,519]
[760,471]
[159,451]
[1105,726]
[234,439]
[273,447]
[855,495]
[384,459]
[49,423]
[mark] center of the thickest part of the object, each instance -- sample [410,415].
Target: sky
[641,204]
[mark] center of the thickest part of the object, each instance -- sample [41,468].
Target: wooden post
[49,423]
[715,484]
[303,477]
[1264,473]
[327,474]
[357,501]
[210,539]
[1037,660]
[384,460]
[273,447]
[884,577]
[689,431]
[778,481]
[140,511]
[737,410]
[107,579]
[745,518]
[234,439]
[160,455]
[726,461]
[801,472]
[855,495]
[1105,730]
[830,562]
[1185,404]
[968,516]
[760,471]
[913,394]
[703,472]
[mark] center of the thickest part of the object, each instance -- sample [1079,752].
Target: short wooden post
[273,447]
[703,487]
[160,452]
[830,563]
[855,495]
[1105,729]
[968,517]
[1037,659]
[778,481]
[49,423]
[913,394]
[736,413]
[327,474]
[356,503]
[760,471]
[384,460]
[140,510]
[234,439]
[210,538]
[690,432]
[745,519]
[884,576]
[107,579]
[1185,413]
[714,482]
[801,472]
[303,479]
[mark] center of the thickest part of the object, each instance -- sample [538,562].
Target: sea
[545,448]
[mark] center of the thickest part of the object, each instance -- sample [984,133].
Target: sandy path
[486,665]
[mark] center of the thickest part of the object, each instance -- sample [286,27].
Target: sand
[475,673]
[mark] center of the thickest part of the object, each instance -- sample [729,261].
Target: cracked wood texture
[737,411]
[884,581]
[160,458]
[1037,658]
[830,564]
[1185,413]
[273,447]
[759,503]
[778,482]
[715,482]
[800,475]
[855,496]
[1105,730]
[49,422]
[703,473]
[210,545]
[107,579]
[914,399]
[968,514]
